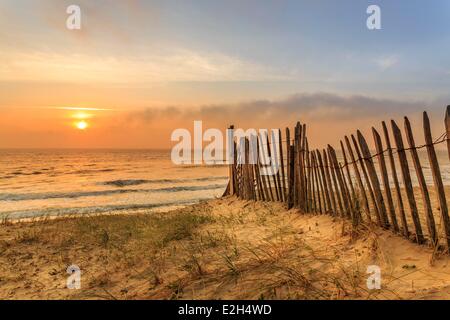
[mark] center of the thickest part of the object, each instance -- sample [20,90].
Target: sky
[145,68]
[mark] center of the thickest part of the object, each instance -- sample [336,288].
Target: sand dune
[221,249]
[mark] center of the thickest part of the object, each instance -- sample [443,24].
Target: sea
[42,183]
[51,182]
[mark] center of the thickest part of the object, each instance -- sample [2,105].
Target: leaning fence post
[296,165]
[356,214]
[262,196]
[322,193]
[272,156]
[325,182]
[263,177]
[329,182]
[422,183]
[303,164]
[345,199]
[283,177]
[291,177]
[440,191]
[236,170]
[385,178]
[231,186]
[347,170]
[276,164]
[447,127]
[316,180]
[366,178]
[358,178]
[373,179]
[299,167]
[308,178]
[313,186]
[401,207]
[264,161]
[407,181]
[337,190]
[288,159]
[248,170]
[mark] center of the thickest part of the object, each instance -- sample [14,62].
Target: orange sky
[147,128]
[150,68]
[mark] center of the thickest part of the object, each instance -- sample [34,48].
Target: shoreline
[217,249]
[123,212]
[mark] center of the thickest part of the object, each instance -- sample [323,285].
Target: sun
[81,125]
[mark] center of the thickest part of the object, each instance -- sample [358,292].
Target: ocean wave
[135,182]
[201,166]
[52,173]
[88,171]
[72,195]
[124,183]
[52,212]
[21,173]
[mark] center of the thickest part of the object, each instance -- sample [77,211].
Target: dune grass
[222,249]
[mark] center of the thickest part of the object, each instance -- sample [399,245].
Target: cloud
[317,106]
[165,65]
[329,116]
[387,62]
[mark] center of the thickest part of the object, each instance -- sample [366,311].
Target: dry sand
[220,249]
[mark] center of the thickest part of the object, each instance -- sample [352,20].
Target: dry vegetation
[221,249]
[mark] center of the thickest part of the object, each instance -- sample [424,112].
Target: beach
[216,249]
[226,151]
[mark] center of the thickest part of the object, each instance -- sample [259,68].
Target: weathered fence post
[272,156]
[296,164]
[396,183]
[447,127]
[261,194]
[291,177]
[366,178]
[329,182]
[308,179]
[237,170]
[347,170]
[345,200]
[263,177]
[303,164]
[325,182]
[358,179]
[407,181]
[313,186]
[439,186]
[267,182]
[231,165]
[422,184]
[337,190]
[374,180]
[356,214]
[283,177]
[316,181]
[288,159]
[321,183]
[251,195]
[300,167]
[340,184]
[277,167]
[385,178]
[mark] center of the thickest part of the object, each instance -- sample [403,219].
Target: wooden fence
[358,185]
